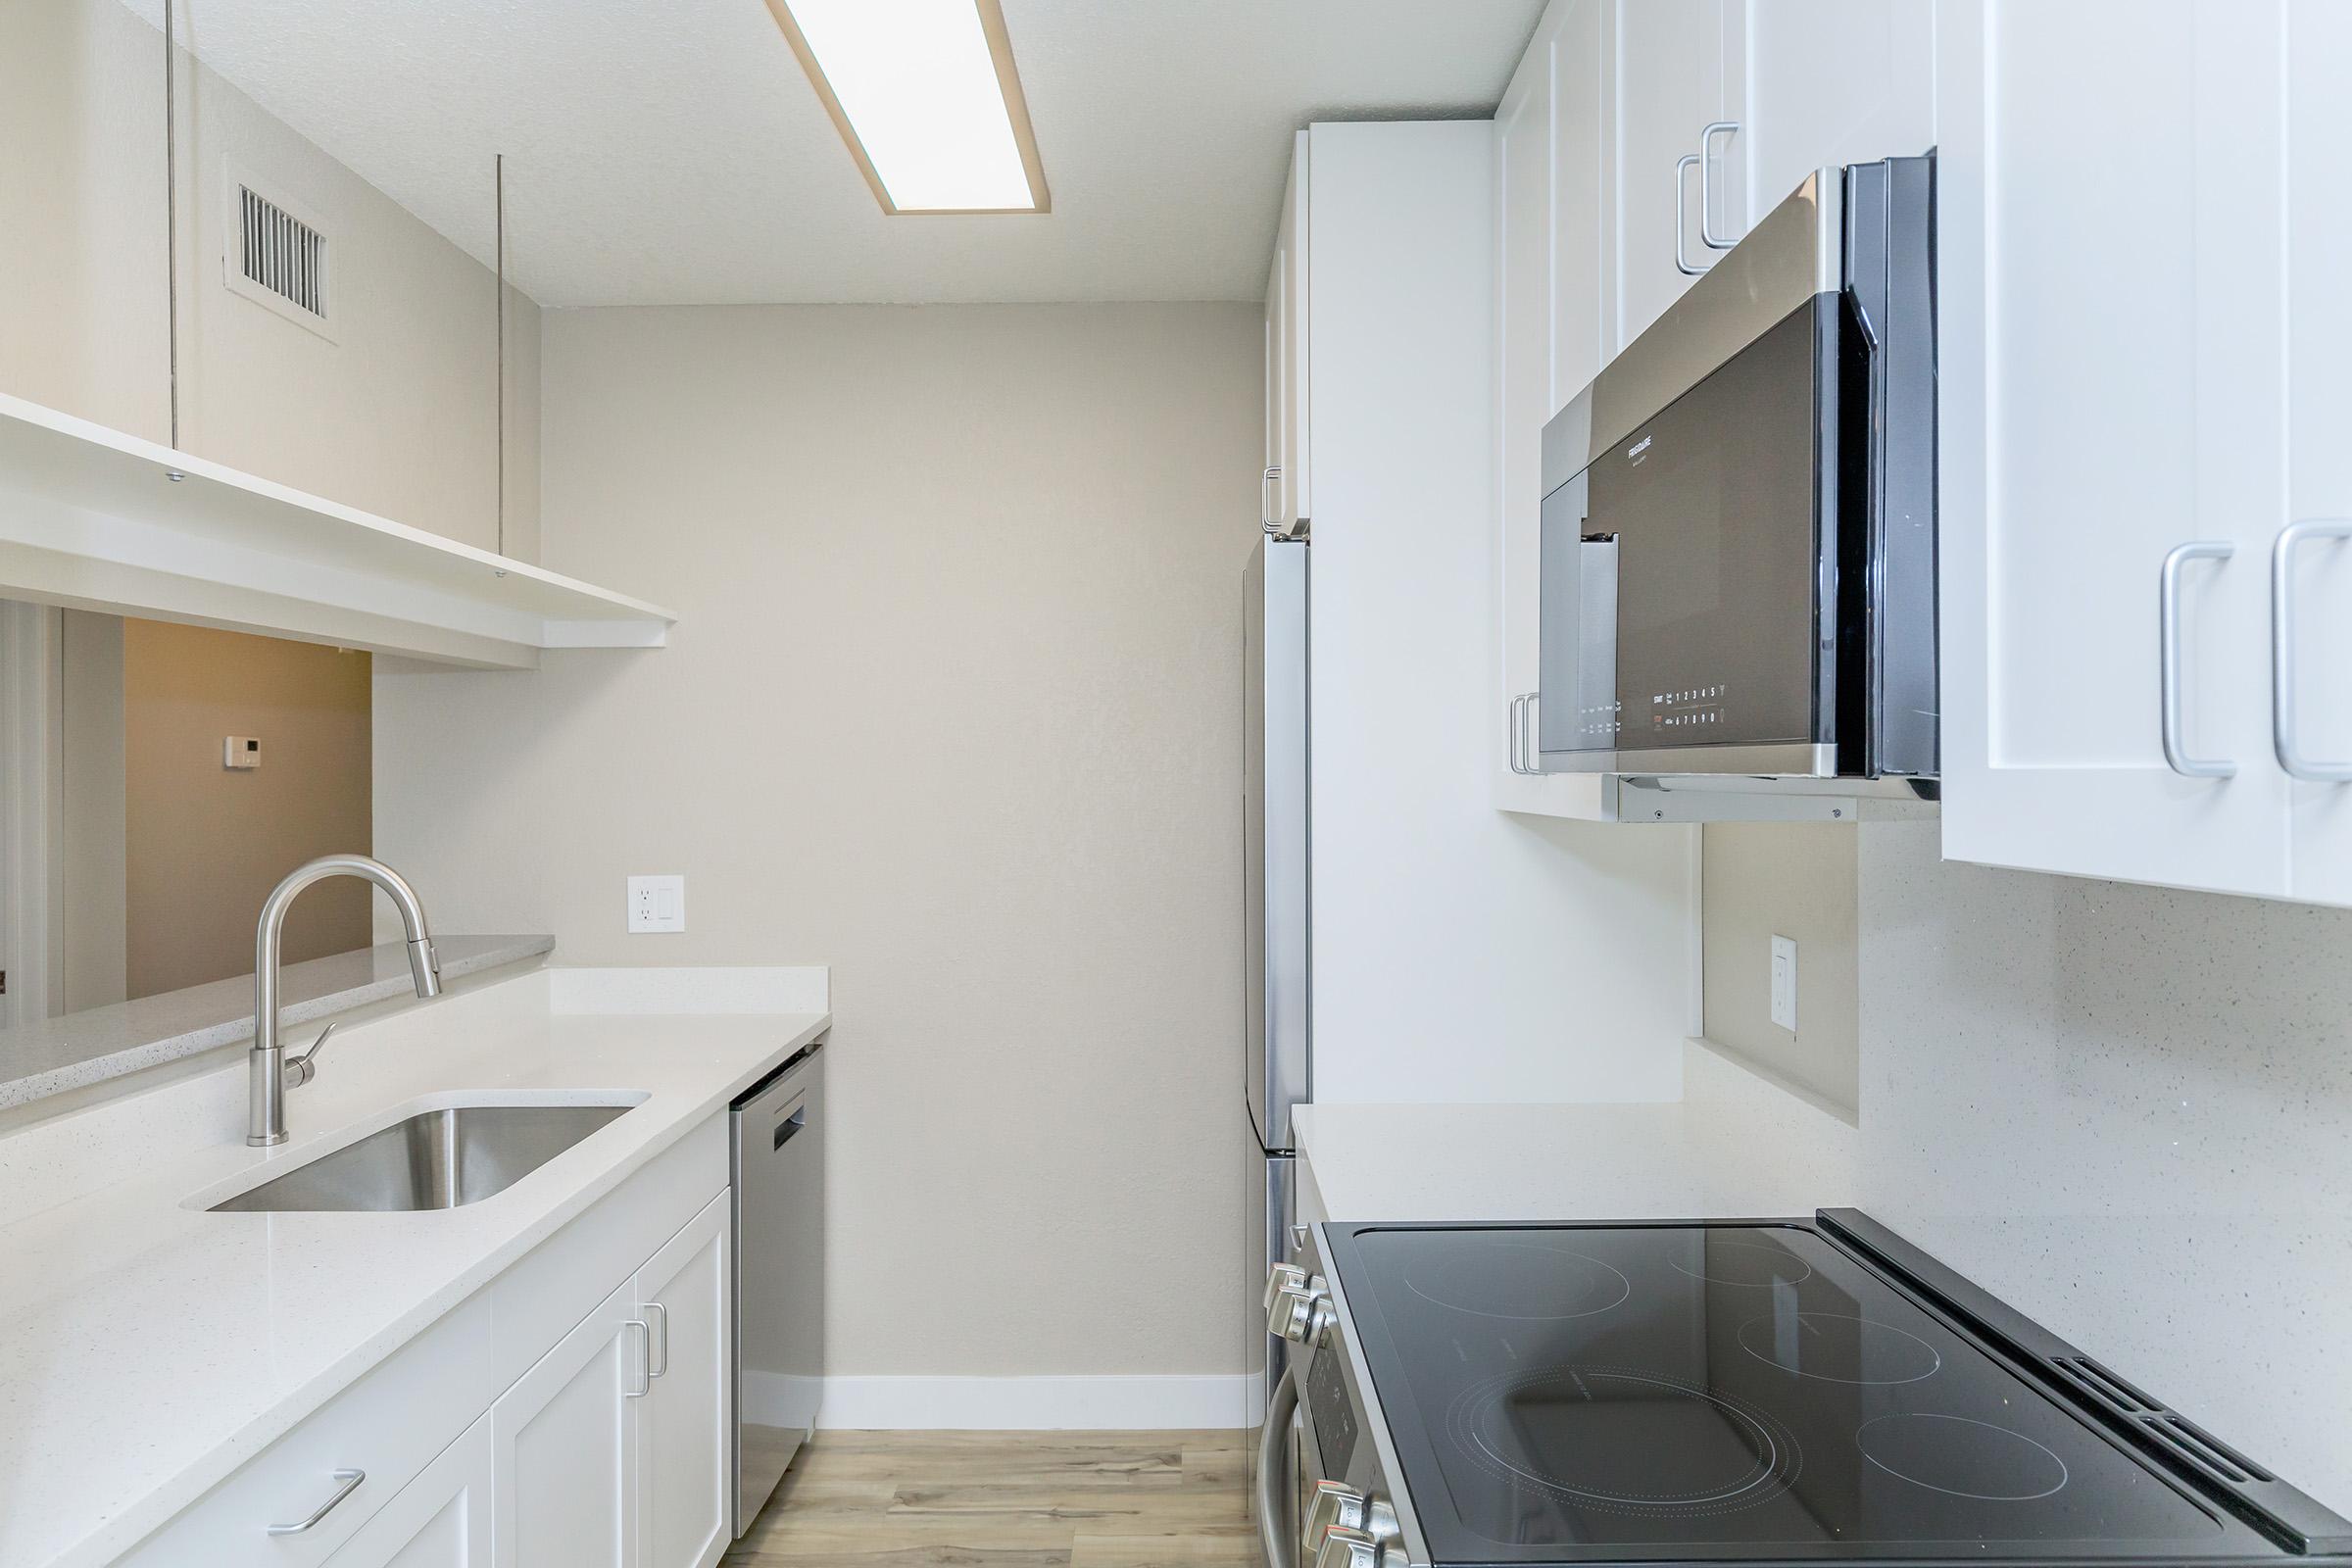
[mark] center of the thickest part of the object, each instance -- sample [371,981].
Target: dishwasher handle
[791,1125]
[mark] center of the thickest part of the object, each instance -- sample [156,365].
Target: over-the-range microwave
[1738,516]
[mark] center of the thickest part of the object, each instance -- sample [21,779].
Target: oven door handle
[1273,1448]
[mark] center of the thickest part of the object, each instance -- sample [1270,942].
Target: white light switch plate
[657,904]
[1784,983]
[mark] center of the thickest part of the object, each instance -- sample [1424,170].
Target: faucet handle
[299,1070]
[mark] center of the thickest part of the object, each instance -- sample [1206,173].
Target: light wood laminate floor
[1008,1500]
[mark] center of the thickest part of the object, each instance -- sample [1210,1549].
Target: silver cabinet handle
[645,1359]
[2167,622]
[349,1483]
[1522,737]
[1706,184]
[1267,505]
[662,1339]
[2282,653]
[1682,183]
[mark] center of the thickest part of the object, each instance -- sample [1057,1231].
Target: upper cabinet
[1676,86]
[1284,488]
[1824,82]
[1554,332]
[2146,592]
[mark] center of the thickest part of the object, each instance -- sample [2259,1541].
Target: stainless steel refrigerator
[1275,952]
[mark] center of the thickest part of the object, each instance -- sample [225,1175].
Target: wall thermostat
[241,750]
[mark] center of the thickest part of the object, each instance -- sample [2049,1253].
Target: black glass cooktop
[1750,1390]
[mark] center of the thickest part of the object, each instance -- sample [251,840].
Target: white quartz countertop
[50,1056]
[149,1348]
[1734,1147]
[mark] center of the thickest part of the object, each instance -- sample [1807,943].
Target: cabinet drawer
[389,1425]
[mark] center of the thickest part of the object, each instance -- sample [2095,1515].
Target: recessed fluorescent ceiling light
[925,93]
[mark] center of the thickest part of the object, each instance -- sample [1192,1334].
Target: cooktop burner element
[1653,1393]
[1528,1282]
[1746,1263]
[1960,1458]
[1839,1348]
[1537,1430]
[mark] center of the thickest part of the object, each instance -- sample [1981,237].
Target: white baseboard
[1036,1403]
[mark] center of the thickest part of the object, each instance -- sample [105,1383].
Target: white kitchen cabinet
[2318,449]
[535,1425]
[565,1446]
[1522,391]
[686,1417]
[1288,372]
[1553,336]
[442,1519]
[2103,407]
[1823,84]
[1678,68]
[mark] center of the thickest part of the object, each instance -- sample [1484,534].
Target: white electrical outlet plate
[1784,983]
[657,904]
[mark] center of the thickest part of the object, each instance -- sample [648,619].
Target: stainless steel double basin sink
[434,1159]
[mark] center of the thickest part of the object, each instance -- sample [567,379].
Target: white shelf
[96,519]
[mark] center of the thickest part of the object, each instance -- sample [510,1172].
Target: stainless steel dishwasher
[778,1138]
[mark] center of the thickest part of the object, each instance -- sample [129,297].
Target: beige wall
[954,707]
[204,844]
[396,414]
[1796,880]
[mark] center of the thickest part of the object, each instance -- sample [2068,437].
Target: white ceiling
[671,151]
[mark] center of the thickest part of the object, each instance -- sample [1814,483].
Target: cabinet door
[565,1446]
[442,1519]
[2318,435]
[1555,330]
[1671,82]
[1522,393]
[683,1447]
[2111,368]
[1826,82]
[1288,369]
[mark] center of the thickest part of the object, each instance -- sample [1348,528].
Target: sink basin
[434,1159]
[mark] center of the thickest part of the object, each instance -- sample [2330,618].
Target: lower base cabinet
[565,1443]
[611,1449]
[686,1420]
[439,1520]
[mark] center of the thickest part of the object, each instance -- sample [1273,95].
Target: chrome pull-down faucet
[266,1089]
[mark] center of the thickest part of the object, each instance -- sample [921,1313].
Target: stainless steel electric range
[1765,1391]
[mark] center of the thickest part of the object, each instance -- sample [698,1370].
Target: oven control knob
[1286,1277]
[1301,1314]
[1348,1549]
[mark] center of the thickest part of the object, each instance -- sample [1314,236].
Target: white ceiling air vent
[278,255]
